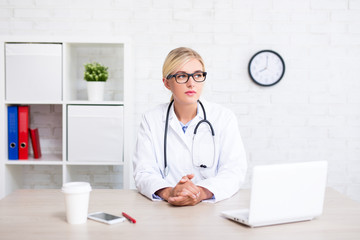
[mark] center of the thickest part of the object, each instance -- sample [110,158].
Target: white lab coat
[225,176]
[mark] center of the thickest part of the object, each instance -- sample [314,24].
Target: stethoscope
[203,166]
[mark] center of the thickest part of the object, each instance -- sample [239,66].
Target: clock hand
[265,66]
[267,60]
[263,69]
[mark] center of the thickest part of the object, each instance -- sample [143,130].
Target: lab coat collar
[174,123]
[172,114]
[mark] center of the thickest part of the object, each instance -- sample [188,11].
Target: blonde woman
[188,150]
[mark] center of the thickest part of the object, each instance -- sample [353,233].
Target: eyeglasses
[182,78]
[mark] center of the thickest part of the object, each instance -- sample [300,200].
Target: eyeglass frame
[189,75]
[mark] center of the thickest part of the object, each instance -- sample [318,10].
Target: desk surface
[40,214]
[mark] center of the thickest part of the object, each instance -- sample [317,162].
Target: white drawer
[33,72]
[95,133]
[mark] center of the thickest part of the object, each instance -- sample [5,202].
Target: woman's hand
[186,187]
[185,193]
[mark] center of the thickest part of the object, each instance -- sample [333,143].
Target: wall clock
[266,68]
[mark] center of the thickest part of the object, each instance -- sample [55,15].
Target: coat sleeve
[147,175]
[232,163]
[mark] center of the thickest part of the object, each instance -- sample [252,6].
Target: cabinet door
[95,133]
[33,72]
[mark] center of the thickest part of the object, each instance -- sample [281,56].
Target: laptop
[284,193]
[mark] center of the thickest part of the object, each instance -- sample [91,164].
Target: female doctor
[188,150]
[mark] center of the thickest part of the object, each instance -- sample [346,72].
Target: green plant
[95,72]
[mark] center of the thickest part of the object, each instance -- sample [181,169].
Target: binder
[35,142]
[13,150]
[23,123]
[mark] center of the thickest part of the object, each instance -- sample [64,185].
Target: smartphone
[106,217]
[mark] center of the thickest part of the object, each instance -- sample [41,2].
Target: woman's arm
[232,163]
[147,175]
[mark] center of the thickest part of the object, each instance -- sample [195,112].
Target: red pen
[129,218]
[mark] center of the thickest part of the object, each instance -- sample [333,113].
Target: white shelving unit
[54,164]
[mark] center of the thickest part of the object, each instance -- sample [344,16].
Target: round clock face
[266,68]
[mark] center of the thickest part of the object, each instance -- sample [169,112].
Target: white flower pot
[95,91]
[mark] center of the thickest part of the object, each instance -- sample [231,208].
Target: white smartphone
[106,217]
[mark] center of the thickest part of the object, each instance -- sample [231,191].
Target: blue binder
[13,136]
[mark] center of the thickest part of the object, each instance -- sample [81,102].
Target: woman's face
[189,92]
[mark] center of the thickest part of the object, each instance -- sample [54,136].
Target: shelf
[46,159]
[84,102]
[42,162]
[76,55]
[94,163]
[49,113]
[104,176]
[32,162]
[80,102]
[33,102]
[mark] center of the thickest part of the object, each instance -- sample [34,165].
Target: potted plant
[96,76]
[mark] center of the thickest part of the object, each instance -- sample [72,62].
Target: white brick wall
[312,114]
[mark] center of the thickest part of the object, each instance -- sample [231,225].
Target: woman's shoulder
[156,111]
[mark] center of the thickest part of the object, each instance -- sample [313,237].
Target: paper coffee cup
[76,201]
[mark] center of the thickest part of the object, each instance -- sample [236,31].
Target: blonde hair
[177,58]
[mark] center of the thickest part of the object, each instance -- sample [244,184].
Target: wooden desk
[40,214]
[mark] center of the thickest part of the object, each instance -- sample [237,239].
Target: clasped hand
[185,192]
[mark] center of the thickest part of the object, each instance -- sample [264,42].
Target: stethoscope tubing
[166,168]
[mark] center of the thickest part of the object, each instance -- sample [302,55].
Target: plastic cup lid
[76,187]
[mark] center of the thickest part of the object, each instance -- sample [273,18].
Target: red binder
[23,121]
[35,142]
